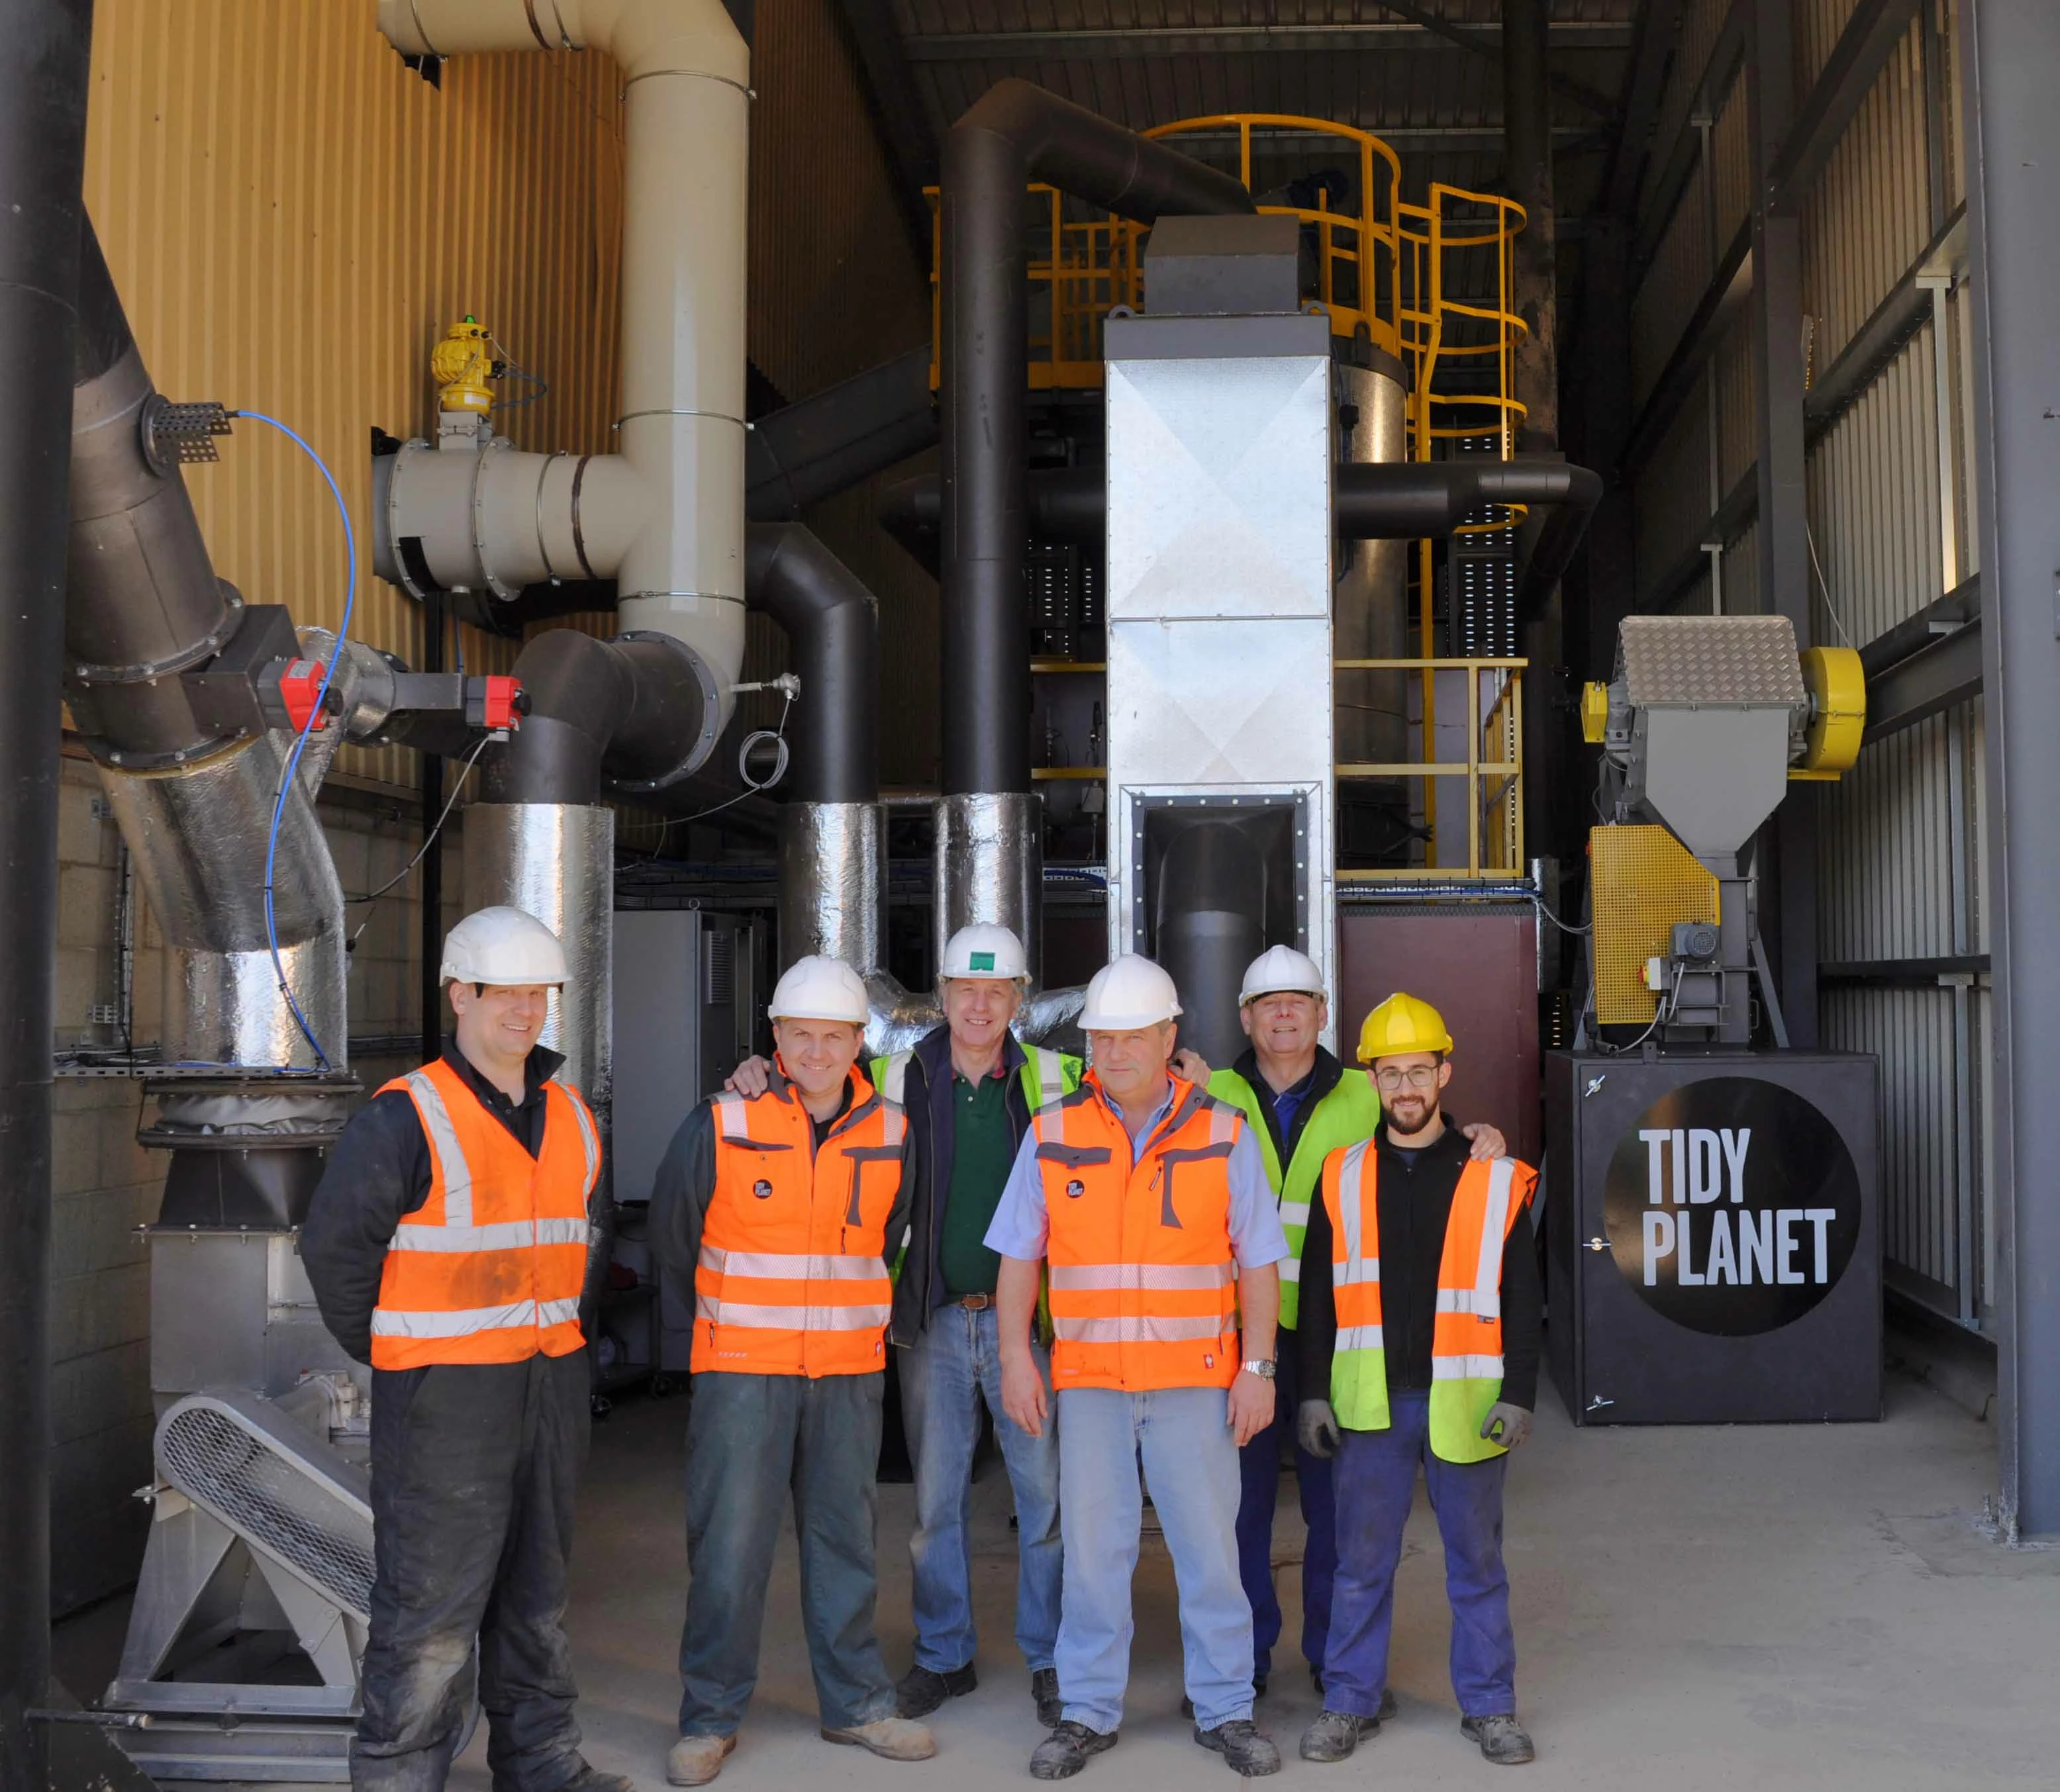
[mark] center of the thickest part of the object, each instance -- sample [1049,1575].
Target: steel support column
[1788,884]
[43,74]
[2007,51]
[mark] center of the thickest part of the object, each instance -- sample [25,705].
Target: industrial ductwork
[194,803]
[832,828]
[1403,501]
[989,864]
[663,517]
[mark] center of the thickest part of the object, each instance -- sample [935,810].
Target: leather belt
[975,1303]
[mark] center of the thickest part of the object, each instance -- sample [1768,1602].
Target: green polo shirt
[982,1152]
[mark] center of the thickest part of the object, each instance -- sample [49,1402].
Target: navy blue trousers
[1375,1480]
[1259,1468]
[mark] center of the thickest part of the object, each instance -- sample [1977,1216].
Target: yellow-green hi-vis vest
[1349,1113]
[1048,1077]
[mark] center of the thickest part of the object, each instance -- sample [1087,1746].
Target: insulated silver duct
[984,871]
[556,861]
[833,882]
[198,839]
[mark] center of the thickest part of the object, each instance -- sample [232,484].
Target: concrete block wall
[107,1188]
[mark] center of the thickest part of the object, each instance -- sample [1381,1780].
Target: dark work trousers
[1258,1468]
[473,1471]
[1376,1481]
[752,1442]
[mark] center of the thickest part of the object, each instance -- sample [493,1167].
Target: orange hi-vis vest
[1466,1336]
[792,1276]
[1143,1286]
[490,1268]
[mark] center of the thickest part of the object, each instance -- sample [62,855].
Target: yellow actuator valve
[1594,713]
[461,364]
[1837,683]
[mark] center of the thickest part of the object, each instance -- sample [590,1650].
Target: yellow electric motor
[461,364]
[1837,683]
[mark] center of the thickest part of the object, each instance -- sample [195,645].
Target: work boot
[922,1690]
[891,1738]
[1502,1739]
[1388,1705]
[591,1779]
[1243,1749]
[1258,1693]
[1065,1751]
[696,1760]
[1334,1735]
[1044,1692]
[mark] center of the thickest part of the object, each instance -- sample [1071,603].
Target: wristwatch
[1261,1367]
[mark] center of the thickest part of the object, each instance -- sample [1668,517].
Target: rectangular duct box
[1214,266]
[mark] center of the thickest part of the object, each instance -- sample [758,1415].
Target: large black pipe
[827,443]
[143,602]
[1384,501]
[630,709]
[44,60]
[1016,134]
[833,623]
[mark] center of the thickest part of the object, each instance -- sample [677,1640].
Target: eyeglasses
[1417,1076]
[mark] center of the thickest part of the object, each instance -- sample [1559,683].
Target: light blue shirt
[1021,1225]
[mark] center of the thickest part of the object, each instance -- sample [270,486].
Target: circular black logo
[1077,1188]
[762,1189]
[1732,1206]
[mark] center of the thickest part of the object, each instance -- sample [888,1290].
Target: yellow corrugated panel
[1643,881]
[292,217]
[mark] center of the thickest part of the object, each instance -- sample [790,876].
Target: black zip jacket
[1415,1204]
[685,1182]
[926,1098]
[381,1172]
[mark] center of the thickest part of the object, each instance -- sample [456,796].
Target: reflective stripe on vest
[490,1268]
[1349,1113]
[1143,1286]
[1465,1350]
[791,1277]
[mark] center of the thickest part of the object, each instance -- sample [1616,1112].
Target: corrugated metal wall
[293,216]
[1900,857]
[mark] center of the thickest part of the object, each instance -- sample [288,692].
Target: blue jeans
[1259,1467]
[1375,1480]
[1180,1437]
[752,1442]
[954,1364]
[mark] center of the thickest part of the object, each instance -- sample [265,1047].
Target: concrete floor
[1704,1608]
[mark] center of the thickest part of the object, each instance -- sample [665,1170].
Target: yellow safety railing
[1493,769]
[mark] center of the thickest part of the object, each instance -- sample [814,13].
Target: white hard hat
[504,946]
[983,950]
[1280,971]
[1128,992]
[820,989]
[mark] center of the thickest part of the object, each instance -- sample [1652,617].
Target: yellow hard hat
[1401,1023]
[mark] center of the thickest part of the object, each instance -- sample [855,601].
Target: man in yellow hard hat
[1420,1315]
[1302,1104]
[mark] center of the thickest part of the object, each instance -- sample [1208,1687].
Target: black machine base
[1714,1237]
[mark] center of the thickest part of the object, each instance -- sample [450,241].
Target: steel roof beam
[1131,41]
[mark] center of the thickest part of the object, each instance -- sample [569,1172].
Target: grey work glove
[1514,1423]
[1317,1428]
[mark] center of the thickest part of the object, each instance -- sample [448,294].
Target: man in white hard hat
[969,1088]
[1301,1107]
[1147,1198]
[784,1208]
[447,1247]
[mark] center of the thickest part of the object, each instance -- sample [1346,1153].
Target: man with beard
[1420,1311]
